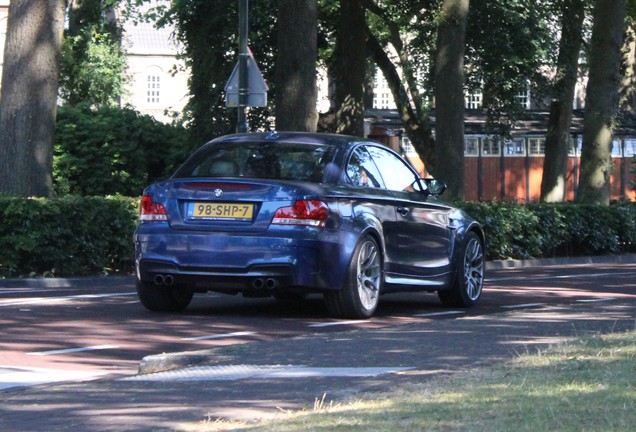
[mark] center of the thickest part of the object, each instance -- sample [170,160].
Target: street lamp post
[242,125]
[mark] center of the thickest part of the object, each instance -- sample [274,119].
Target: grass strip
[588,384]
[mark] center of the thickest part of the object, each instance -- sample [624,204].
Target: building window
[490,147]
[572,150]
[536,146]
[153,88]
[523,98]
[630,147]
[407,147]
[515,147]
[471,146]
[473,101]
[617,151]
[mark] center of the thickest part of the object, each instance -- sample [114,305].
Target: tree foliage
[112,151]
[509,45]
[208,30]
[93,62]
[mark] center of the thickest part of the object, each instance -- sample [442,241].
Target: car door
[419,241]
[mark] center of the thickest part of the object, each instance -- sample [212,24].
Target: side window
[397,175]
[361,170]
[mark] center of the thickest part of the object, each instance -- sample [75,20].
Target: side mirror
[434,187]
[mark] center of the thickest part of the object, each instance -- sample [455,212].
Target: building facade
[157,78]
[512,169]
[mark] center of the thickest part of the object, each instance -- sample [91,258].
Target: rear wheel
[360,295]
[469,280]
[163,298]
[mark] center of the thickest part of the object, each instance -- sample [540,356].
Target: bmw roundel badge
[218,193]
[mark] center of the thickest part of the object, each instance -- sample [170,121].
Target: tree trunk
[30,79]
[601,101]
[350,68]
[449,96]
[558,136]
[296,66]
[628,79]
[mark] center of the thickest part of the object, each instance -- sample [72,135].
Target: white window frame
[473,101]
[617,148]
[493,144]
[630,147]
[473,149]
[536,146]
[518,146]
[153,89]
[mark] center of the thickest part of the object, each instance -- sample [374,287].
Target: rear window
[260,160]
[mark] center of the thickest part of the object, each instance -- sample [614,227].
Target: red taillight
[306,212]
[150,211]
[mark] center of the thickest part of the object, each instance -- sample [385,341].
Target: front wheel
[360,295]
[469,279]
[163,298]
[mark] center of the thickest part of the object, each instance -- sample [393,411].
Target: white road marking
[11,376]
[236,372]
[337,323]
[220,336]
[433,314]
[523,305]
[48,300]
[604,299]
[73,350]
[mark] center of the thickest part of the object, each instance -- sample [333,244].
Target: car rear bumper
[238,263]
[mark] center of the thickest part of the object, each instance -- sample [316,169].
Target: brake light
[304,212]
[150,211]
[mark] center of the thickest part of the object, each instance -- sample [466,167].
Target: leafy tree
[558,137]
[509,43]
[93,62]
[601,102]
[112,151]
[29,92]
[208,30]
[403,61]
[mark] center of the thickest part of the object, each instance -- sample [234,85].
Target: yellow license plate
[226,211]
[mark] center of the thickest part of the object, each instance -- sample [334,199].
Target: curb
[78,282]
[543,262]
[169,361]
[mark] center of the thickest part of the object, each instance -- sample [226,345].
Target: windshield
[260,160]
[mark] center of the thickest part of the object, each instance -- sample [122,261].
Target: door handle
[403,211]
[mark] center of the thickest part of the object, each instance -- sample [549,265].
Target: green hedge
[522,231]
[78,236]
[69,236]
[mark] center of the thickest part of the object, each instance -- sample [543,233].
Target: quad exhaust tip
[269,283]
[165,280]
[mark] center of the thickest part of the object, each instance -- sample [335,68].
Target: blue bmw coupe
[288,214]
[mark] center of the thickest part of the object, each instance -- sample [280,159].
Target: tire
[162,298]
[469,279]
[360,295]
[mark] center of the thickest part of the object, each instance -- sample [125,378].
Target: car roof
[295,137]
